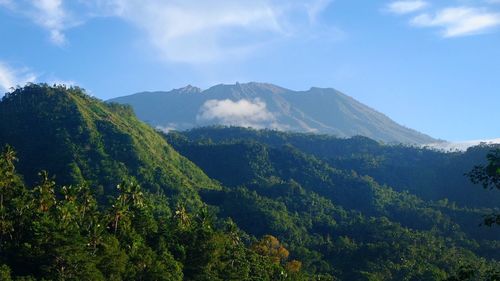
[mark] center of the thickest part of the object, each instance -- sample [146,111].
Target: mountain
[260,105]
[79,139]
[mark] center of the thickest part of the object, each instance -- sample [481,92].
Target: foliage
[56,233]
[84,141]
[336,221]
[489,177]
[429,174]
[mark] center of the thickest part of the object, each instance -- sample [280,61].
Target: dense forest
[61,233]
[88,192]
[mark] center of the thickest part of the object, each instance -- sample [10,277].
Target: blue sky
[430,65]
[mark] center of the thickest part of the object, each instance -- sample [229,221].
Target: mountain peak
[319,89]
[250,87]
[189,89]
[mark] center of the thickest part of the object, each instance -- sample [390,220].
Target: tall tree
[489,177]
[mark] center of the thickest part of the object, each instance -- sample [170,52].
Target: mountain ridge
[265,105]
[83,140]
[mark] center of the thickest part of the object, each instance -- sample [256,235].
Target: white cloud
[51,15]
[10,78]
[206,31]
[198,31]
[48,14]
[461,145]
[245,113]
[459,21]
[188,31]
[406,7]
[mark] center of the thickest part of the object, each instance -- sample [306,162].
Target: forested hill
[308,186]
[262,105]
[131,203]
[429,174]
[80,139]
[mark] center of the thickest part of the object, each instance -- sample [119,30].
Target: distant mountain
[80,139]
[261,105]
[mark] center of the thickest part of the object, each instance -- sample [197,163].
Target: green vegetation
[60,233]
[489,177]
[429,174]
[84,141]
[247,205]
[316,208]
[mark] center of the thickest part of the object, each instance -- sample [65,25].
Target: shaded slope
[255,164]
[246,162]
[429,174]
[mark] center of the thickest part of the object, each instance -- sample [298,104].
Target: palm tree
[44,192]
[182,217]
[7,171]
[130,195]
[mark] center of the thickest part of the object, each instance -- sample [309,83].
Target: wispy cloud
[194,31]
[406,7]
[188,31]
[452,21]
[206,31]
[459,21]
[10,77]
[48,14]
[51,15]
[6,3]
[316,8]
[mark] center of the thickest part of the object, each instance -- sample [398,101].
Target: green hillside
[80,139]
[53,232]
[312,205]
[429,174]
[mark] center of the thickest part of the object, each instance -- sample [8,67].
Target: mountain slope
[351,172]
[80,139]
[268,106]
[429,174]
[313,205]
